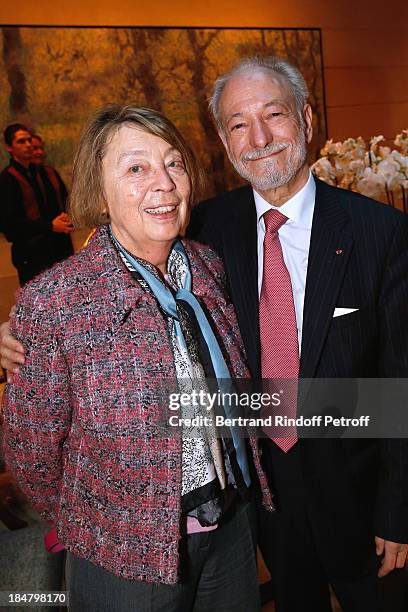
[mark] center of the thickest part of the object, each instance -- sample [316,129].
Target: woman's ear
[105,212]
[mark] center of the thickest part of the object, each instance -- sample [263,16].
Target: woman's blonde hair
[87,205]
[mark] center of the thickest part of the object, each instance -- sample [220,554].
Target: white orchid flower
[323,169]
[389,169]
[357,166]
[384,152]
[371,185]
[402,160]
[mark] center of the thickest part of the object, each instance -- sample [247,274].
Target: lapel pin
[339,251]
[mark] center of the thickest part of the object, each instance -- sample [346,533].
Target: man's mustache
[274,147]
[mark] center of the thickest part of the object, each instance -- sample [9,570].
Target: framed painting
[51,78]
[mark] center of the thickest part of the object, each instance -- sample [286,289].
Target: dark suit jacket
[355,488]
[35,246]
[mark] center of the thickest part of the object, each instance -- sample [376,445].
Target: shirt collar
[22,169]
[299,208]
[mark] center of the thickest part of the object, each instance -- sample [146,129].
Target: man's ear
[308,118]
[8,149]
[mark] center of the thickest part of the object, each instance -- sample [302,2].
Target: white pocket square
[339,312]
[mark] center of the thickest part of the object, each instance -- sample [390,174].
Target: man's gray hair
[279,66]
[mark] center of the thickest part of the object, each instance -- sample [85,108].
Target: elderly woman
[151,519]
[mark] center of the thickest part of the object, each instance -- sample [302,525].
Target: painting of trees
[52,78]
[12,57]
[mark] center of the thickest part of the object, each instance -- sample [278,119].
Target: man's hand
[11,351]
[62,224]
[395,555]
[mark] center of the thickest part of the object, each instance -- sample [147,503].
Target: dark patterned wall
[53,77]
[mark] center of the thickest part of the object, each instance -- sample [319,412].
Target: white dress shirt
[294,237]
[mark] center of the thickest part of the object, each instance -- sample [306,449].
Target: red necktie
[278,331]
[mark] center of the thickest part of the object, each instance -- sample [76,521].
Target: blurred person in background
[39,158]
[32,208]
[39,154]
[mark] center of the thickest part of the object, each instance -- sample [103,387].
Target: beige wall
[365,44]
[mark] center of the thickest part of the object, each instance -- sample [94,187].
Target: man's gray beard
[273,176]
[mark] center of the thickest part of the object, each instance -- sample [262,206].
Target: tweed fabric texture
[81,420]
[202,455]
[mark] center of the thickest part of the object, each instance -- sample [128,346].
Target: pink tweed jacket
[81,420]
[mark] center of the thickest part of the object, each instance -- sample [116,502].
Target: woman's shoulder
[205,263]
[203,252]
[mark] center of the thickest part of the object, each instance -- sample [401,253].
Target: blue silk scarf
[168,303]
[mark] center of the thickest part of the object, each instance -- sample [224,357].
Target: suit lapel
[330,247]
[240,259]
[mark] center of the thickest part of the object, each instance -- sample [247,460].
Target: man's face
[39,155]
[263,134]
[21,148]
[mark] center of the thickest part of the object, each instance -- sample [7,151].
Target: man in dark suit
[342,504]
[32,208]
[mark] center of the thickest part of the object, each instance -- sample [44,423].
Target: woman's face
[147,191]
